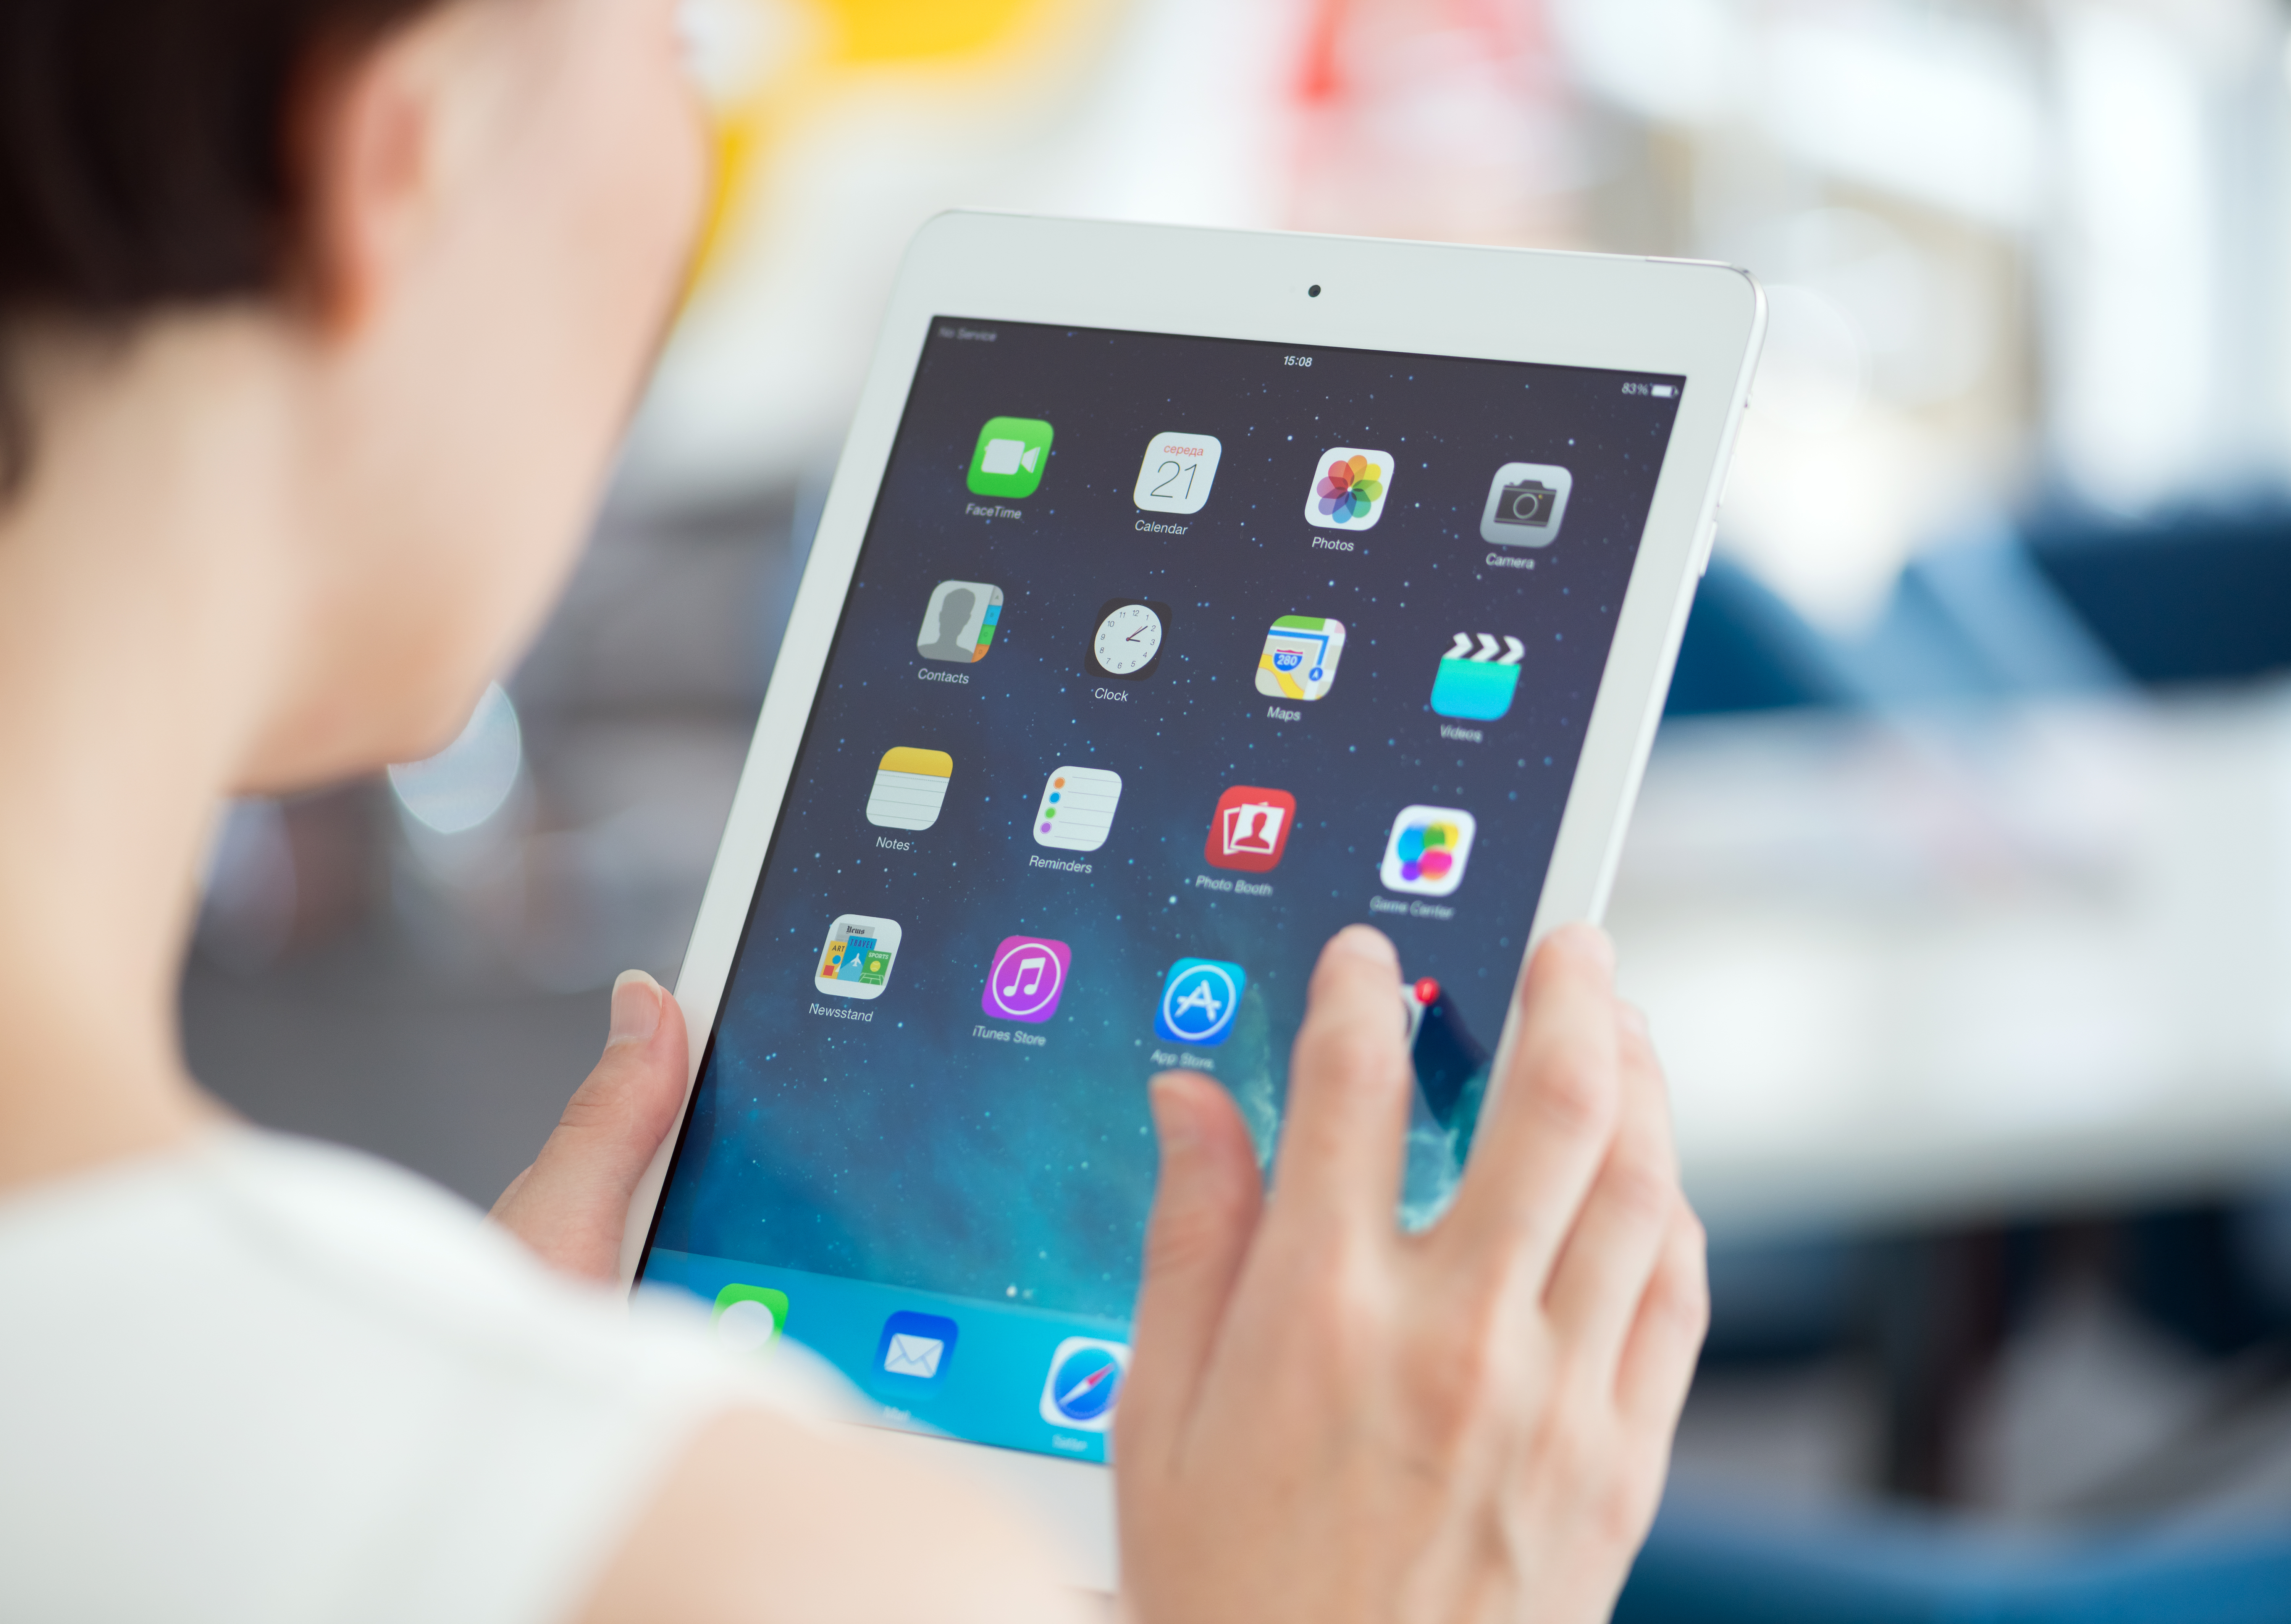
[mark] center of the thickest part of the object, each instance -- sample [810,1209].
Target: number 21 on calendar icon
[1028,975]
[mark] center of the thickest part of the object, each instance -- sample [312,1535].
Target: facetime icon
[1011,456]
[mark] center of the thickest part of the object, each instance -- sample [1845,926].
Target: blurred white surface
[2027,959]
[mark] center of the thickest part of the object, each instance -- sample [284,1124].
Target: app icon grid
[928,1117]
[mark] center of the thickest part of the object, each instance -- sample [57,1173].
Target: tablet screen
[1164,659]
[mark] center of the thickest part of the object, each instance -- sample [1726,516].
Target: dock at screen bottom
[987,1373]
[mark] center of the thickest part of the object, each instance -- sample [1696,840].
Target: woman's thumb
[572,1204]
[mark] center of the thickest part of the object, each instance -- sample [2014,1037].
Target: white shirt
[263,1380]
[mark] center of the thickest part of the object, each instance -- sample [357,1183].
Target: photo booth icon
[1250,829]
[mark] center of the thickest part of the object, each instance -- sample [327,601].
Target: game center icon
[1427,850]
[1026,979]
[1250,829]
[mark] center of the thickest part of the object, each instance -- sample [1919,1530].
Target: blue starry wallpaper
[925,1139]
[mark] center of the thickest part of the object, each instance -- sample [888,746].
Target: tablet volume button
[1703,545]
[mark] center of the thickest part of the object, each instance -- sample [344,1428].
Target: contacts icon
[958,624]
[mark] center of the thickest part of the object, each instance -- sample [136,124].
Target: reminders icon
[1077,809]
[909,788]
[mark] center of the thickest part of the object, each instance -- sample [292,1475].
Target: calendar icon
[1178,472]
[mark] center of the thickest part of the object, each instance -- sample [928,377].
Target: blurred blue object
[2192,597]
[1781,1297]
[2067,604]
[1705,1566]
[1746,650]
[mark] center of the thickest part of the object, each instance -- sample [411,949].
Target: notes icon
[909,788]
[1077,809]
[1026,979]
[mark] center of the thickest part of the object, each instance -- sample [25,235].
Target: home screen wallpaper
[1165,658]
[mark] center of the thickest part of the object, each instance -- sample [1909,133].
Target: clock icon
[1128,643]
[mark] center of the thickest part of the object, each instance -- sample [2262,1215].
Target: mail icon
[913,1356]
[916,1347]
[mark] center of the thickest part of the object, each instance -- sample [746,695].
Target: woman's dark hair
[144,152]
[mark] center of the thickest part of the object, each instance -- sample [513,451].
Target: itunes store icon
[1028,975]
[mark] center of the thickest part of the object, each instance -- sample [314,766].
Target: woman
[322,317]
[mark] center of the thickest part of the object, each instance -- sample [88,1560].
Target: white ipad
[1182,596]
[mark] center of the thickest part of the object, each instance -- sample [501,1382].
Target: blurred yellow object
[818,49]
[923,30]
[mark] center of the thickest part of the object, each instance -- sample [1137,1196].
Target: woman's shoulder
[265,1366]
[246,1231]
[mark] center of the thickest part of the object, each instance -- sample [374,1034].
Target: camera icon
[1527,503]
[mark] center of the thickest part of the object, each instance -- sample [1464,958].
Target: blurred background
[1960,892]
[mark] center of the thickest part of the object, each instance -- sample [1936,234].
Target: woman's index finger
[1349,1086]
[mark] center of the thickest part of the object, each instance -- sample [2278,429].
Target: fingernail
[1597,944]
[1171,1124]
[1367,941]
[636,1007]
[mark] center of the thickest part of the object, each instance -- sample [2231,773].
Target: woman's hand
[1331,1420]
[572,1204]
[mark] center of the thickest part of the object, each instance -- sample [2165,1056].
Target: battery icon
[1663,392]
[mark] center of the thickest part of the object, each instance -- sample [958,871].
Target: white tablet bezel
[1701,321]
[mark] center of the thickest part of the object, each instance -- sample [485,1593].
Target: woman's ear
[380,140]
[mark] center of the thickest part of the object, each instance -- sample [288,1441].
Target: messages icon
[1010,457]
[749,1319]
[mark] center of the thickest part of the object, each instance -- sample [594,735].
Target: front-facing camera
[1313,292]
